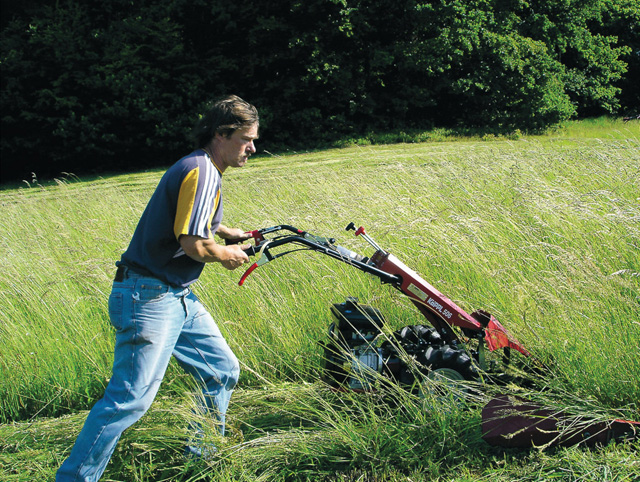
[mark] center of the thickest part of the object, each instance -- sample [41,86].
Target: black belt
[121,273]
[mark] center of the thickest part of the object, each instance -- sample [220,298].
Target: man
[151,306]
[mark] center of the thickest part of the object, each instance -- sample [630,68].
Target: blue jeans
[153,320]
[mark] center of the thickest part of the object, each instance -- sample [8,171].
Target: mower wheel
[446,358]
[443,384]
[437,362]
[418,334]
[445,370]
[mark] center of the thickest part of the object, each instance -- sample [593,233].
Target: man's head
[224,117]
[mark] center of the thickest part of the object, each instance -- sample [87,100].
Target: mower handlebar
[306,240]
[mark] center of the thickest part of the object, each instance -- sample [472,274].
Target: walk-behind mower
[452,349]
[454,346]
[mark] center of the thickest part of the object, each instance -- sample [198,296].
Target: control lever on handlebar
[264,258]
[247,273]
[360,231]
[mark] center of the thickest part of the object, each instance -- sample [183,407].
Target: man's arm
[234,234]
[206,250]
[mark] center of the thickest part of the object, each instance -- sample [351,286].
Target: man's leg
[203,352]
[148,317]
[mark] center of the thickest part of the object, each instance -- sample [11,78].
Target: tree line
[92,86]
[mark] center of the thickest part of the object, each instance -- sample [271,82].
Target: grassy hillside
[542,232]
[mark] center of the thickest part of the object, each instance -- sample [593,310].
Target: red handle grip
[247,273]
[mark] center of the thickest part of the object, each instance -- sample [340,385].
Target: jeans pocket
[115,310]
[151,293]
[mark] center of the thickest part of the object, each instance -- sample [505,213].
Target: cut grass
[302,432]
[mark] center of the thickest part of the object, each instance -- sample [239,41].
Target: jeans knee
[224,374]
[234,372]
[140,406]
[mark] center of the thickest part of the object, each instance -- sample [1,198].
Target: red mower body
[441,311]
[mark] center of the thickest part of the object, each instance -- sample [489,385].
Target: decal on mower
[417,291]
[439,308]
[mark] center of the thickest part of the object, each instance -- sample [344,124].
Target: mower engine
[355,353]
[351,354]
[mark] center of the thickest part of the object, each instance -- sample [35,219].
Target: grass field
[544,232]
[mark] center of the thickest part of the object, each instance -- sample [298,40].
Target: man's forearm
[231,233]
[208,251]
[203,250]
[223,231]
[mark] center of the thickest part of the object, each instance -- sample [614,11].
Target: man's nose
[252,148]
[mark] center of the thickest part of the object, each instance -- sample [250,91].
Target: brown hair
[225,116]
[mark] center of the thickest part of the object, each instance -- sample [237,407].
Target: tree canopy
[93,86]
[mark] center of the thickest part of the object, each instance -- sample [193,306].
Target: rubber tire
[418,335]
[445,356]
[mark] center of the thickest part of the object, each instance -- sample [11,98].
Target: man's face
[234,151]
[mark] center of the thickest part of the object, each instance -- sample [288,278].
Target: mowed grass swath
[544,233]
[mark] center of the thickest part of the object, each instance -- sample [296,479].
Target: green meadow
[543,232]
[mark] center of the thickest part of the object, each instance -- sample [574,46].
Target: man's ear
[217,138]
[220,137]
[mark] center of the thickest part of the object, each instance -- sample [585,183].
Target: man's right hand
[235,256]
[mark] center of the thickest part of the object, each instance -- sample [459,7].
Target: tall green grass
[544,233]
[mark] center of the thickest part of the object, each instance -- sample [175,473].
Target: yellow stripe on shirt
[215,209]
[186,200]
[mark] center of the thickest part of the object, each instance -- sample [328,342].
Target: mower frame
[439,310]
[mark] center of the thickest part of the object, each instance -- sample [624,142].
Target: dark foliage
[95,86]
